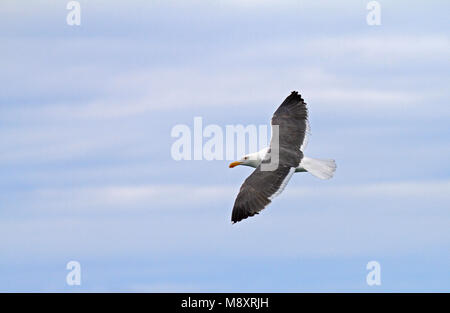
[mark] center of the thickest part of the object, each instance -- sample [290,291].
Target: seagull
[258,190]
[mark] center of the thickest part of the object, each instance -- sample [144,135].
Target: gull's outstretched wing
[292,120]
[258,190]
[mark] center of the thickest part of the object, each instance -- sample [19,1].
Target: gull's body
[262,186]
[306,164]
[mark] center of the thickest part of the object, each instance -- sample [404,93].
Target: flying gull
[290,121]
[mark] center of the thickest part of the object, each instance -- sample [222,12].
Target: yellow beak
[234,164]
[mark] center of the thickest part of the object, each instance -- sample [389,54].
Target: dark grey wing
[258,189]
[292,120]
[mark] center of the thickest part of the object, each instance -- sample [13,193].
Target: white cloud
[125,93]
[166,220]
[388,50]
[213,80]
[179,198]
[143,197]
[176,90]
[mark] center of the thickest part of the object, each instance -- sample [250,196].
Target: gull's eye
[245,158]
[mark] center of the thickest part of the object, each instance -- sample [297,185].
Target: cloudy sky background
[86,171]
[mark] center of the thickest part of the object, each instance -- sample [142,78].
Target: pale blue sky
[86,171]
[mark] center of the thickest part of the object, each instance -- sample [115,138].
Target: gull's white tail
[323,169]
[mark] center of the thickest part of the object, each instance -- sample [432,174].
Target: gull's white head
[252,159]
